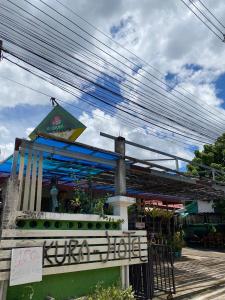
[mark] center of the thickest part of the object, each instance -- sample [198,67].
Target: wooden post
[21,177]
[26,197]
[33,182]
[39,182]
[14,164]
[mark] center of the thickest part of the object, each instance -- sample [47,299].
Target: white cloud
[13,94]
[4,132]
[29,130]
[6,150]
[107,124]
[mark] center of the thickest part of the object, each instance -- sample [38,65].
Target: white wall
[205,206]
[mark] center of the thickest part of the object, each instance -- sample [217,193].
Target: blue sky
[173,78]
[220,87]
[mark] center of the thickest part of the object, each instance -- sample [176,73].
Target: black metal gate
[141,279]
[156,275]
[161,256]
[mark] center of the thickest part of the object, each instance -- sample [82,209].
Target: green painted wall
[64,286]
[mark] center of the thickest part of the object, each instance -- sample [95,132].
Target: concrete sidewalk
[199,275]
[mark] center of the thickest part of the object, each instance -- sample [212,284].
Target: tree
[213,156]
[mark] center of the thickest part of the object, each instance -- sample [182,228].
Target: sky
[163,33]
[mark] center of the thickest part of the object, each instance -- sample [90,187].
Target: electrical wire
[133,62]
[135,126]
[131,52]
[82,75]
[103,87]
[205,16]
[95,97]
[202,20]
[111,56]
[122,108]
[206,8]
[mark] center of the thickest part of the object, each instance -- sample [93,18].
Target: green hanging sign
[59,123]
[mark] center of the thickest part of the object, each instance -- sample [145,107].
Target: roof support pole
[120,175]
[120,202]
[177,165]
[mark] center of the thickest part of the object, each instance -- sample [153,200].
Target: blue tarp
[65,168]
[69,170]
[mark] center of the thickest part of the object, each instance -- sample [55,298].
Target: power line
[208,12]
[201,19]
[205,16]
[99,98]
[73,105]
[74,23]
[121,84]
[107,53]
[123,109]
[111,91]
[128,50]
[67,71]
[113,65]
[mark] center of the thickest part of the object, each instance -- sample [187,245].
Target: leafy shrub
[177,241]
[112,293]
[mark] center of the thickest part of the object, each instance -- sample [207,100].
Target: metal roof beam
[164,153]
[67,153]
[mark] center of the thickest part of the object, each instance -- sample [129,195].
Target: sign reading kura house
[69,251]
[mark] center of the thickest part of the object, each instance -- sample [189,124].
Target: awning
[64,160]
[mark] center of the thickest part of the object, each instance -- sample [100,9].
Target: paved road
[200,275]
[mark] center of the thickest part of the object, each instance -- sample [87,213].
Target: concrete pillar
[120,202]
[3,289]
[177,165]
[8,219]
[120,176]
[120,205]
[10,204]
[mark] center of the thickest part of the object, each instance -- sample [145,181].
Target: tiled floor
[199,275]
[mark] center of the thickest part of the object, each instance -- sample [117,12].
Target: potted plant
[177,244]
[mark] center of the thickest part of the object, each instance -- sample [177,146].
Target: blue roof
[65,168]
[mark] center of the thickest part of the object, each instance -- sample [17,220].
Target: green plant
[177,241]
[213,156]
[112,293]
[154,212]
[101,207]
[219,206]
[159,213]
[168,214]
